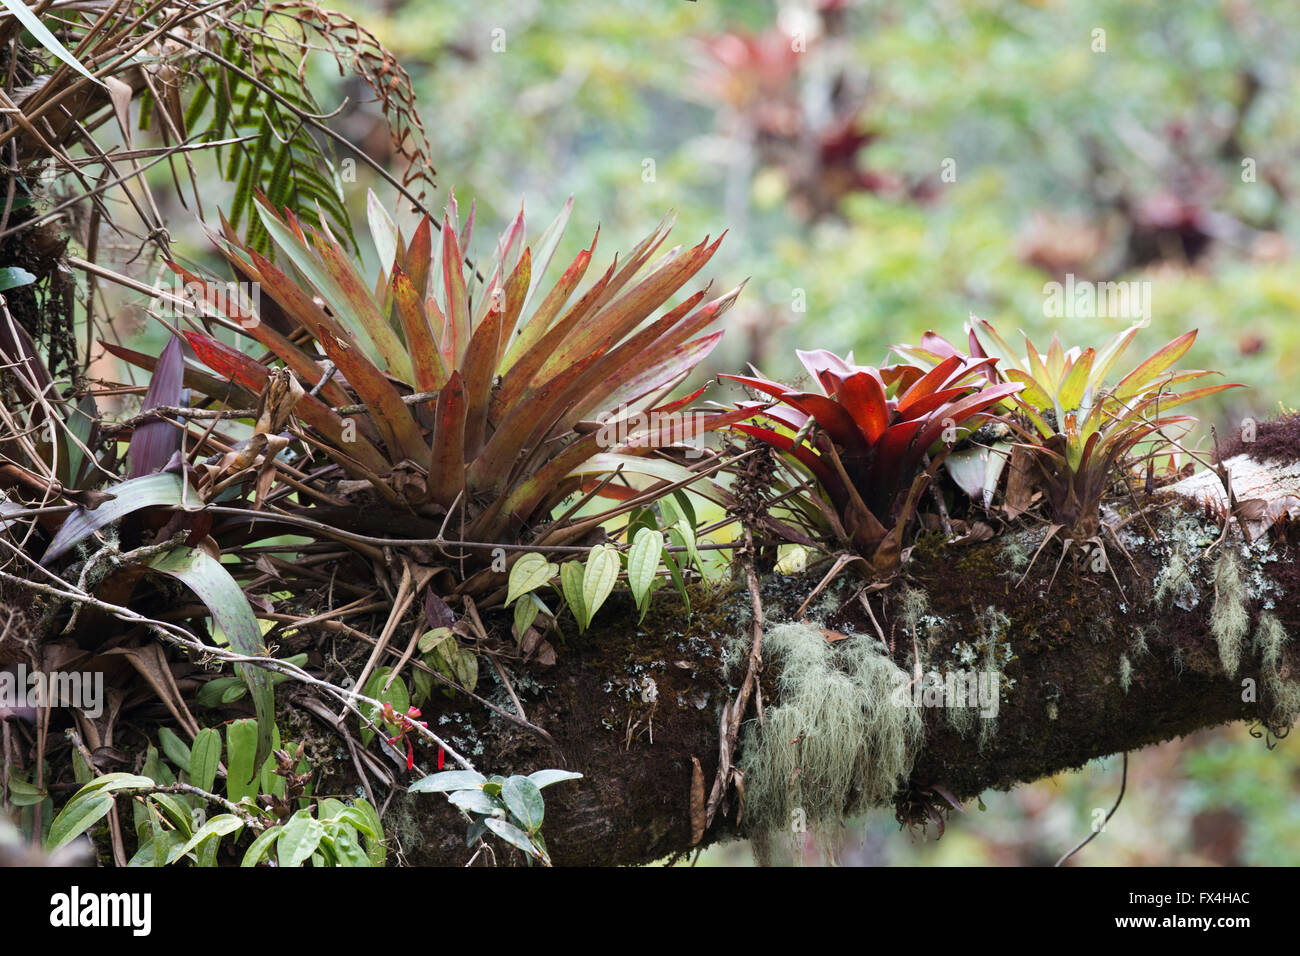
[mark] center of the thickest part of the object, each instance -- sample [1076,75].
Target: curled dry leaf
[697,801]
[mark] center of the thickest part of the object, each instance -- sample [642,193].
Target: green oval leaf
[598,579]
[175,748]
[571,578]
[513,835]
[544,778]
[259,847]
[12,277]
[81,813]
[525,614]
[298,839]
[523,799]
[474,801]
[528,573]
[643,561]
[447,781]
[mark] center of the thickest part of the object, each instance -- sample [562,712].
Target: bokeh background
[884,168]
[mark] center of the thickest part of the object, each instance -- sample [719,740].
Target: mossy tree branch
[1197,637]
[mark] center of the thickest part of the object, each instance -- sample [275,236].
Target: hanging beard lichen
[841,740]
[1229,621]
[1282,695]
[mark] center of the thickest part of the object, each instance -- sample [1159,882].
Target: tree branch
[1096,671]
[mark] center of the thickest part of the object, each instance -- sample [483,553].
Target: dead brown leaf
[1020,482]
[697,802]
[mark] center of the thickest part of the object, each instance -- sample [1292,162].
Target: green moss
[1229,622]
[1125,672]
[841,740]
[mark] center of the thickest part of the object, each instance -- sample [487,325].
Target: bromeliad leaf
[149,491]
[154,442]
[28,18]
[230,610]
[382,230]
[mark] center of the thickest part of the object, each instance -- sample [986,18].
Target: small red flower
[405,725]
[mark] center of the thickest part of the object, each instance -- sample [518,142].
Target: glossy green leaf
[13,277]
[544,778]
[81,813]
[525,613]
[473,801]
[298,839]
[161,490]
[513,835]
[230,610]
[396,695]
[241,751]
[177,751]
[32,23]
[523,798]
[214,829]
[447,781]
[258,849]
[205,755]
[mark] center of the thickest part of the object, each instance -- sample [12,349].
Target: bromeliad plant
[477,409]
[1075,430]
[873,438]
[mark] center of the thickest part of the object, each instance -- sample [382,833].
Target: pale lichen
[1229,621]
[1270,638]
[1174,584]
[841,739]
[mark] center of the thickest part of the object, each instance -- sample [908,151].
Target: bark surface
[1111,656]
